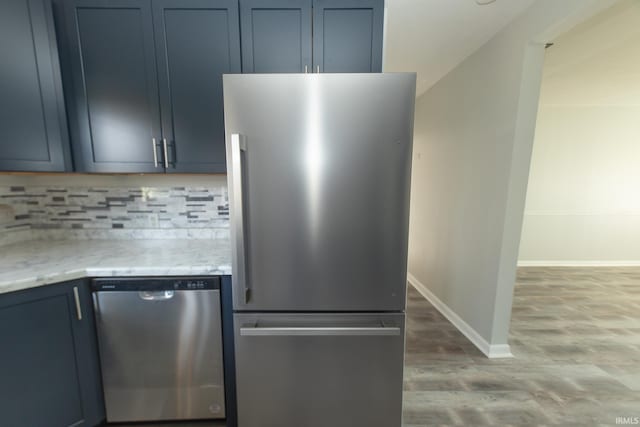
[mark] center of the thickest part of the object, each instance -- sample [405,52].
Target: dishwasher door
[319,370]
[161,353]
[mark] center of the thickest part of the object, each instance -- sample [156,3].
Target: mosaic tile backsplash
[200,209]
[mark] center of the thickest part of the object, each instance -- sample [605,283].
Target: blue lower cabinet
[228,352]
[49,360]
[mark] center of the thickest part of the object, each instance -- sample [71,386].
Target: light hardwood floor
[575,335]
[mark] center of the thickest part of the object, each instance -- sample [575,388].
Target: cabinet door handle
[77,297]
[155,153]
[166,156]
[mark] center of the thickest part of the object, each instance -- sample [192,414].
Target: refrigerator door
[319,370]
[319,169]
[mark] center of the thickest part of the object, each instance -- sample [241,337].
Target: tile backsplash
[110,207]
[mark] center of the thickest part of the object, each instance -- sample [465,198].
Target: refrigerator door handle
[238,146]
[320,331]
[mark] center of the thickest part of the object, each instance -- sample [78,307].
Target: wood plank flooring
[575,335]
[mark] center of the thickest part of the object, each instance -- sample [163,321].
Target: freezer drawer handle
[318,331]
[156,295]
[238,145]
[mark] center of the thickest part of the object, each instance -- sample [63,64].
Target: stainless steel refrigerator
[319,169]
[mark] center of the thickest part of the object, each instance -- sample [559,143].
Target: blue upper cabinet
[347,36]
[146,93]
[114,108]
[297,36]
[276,36]
[33,132]
[197,41]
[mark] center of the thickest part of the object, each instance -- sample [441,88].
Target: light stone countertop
[40,262]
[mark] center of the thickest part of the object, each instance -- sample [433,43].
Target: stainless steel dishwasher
[160,345]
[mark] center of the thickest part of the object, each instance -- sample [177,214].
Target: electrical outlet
[153,221]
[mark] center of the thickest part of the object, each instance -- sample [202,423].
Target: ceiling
[431,37]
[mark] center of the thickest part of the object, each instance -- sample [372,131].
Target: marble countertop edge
[35,264]
[92,272]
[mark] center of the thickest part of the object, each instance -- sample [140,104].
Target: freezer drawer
[161,354]
[319,370]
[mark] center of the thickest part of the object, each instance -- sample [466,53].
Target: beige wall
[473,141]
[583,202]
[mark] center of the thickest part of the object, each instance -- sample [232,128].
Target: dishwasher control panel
[155,284]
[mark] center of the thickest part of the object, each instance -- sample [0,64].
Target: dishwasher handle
[156,295]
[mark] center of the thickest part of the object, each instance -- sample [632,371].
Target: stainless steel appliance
[319,172]
[160,345]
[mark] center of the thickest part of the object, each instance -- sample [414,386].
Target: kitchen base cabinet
[49,365]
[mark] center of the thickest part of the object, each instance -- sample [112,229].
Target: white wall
[583,202]
[473,141]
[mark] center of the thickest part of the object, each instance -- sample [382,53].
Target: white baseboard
[570,263]
[494,351]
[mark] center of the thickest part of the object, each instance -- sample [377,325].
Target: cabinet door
[197,41]
[48,359]
[33,135]
[115,103]
[347,36]
[86,346]
[276,36]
